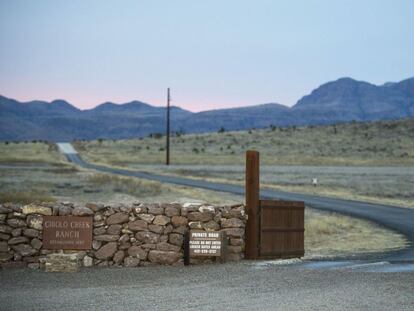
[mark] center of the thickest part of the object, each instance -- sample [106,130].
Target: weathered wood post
[252,204]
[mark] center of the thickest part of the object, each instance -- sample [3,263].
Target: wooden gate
[275,229]
[281,229]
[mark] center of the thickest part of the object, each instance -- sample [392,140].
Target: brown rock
[237,242]
[117,218]
[148,246]
[99,223]
[5,229]
[82,211]
[161,220]
[119,257]
[147,237]
[171,211]
[137,251]
[231,223]
[4,236]
[138,225]
[107,238]
[141,209]
[124,238]
[36,243]
[179,221]
[156,228]
[162,257]
[64,210]
[234,232]
[5,256]
[35,221]
[211,226]
[94,207]
[207,208]
[114,229]
[164,238]
[36,209]
[3,218]
[106,251]
[155,209]
[4,247]
[5,210]
[96,244]
[234,249]
[176,239]
[99,231]
[198,216]
[195,225]
[181,230]
[16,223]
[31,233]
[146,217]
[18,240]
[124,246]
[16,232]
[168,229]
[131,262]
[168,247]
[24,249]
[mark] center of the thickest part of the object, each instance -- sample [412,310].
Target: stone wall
[124,235]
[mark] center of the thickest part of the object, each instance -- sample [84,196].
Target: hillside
[356,143]
[342,100]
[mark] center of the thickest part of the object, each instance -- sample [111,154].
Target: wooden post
[187,249]
[252,204]
[167,147]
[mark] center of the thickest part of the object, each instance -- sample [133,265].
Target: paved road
[245,285]
[392,217]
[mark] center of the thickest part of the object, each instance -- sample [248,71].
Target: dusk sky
[213,54]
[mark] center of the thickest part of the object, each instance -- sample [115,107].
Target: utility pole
[167,160]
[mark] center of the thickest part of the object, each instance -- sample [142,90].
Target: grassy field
[39,152]
[385,143]
[327,234]
[362,161]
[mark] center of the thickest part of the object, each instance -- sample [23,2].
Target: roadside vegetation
[362,161]
[30,152]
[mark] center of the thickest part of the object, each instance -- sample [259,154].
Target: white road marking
[66,148]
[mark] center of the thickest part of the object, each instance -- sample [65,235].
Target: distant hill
[338,101]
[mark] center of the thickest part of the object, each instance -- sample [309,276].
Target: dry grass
[40,152]
[326,234]
[26,197]
[377,143]
[330,234]
[130,186]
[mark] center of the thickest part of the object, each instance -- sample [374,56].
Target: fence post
[252,204]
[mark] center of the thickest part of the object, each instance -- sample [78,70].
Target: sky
[212,54]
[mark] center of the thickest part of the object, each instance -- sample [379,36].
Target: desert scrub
[43,152]
[25,197]
[126,185]
[330,234]
[363,144]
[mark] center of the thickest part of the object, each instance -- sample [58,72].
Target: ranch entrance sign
[67,232]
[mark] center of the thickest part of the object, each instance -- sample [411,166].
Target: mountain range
[342,100]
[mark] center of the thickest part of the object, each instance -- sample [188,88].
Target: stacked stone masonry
[125,235]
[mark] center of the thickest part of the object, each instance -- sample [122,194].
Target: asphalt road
[392,217]
[246,285]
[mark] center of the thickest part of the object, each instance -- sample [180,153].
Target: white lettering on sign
[205,243]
